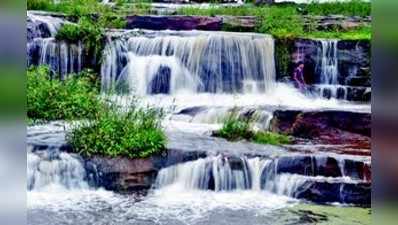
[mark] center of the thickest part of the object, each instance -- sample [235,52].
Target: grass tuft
[49,98]
[133,132]
[235,128]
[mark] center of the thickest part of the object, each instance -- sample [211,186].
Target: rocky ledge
[337,128]
[217,23]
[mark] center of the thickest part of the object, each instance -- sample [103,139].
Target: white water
[63,58]
[329,71]
[50,170]
[196,61]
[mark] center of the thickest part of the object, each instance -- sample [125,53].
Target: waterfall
[327,66]
[225,173]
[43,49]
[171,62]
[53,169]
[220,173]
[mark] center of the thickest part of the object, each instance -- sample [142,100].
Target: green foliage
[348,8]
[286,22]
[361,33]
[281,22]
[133,133]
[86,31]
[54,99]
[79,8]
[39,4]
[235,128]
[271,138]
[282,55]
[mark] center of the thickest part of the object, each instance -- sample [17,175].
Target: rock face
[121,174]
[174,22]
[352,60]
[325,192]
[239,23]
[326,127]
[336,21]
[209,23]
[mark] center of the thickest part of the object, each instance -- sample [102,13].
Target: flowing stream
[199,78]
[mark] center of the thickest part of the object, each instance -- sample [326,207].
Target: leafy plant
[133,132]
[235,128]
[54,99]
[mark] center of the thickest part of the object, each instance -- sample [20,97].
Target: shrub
[39,5]
[54,99]
[133,133]
[86,31]
[281,22]
[235,128]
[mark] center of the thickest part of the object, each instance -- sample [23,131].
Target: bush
[281,22]
[235,128]
[86,31]
[39,5]
[54,99]
[133,133]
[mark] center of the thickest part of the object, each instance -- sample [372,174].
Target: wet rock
[327,167]
[353,60]
[325,192]
[358,170]
[349,93]
[121,174]
[326,127]
[160,84]
[303,165]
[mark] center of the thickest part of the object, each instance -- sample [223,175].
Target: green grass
[78,8]
[133,133]
[285,21]
[104,128]
[235,129]
[362,33]
[349,8]
[55,99]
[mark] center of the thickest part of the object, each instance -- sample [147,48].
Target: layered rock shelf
[217,23]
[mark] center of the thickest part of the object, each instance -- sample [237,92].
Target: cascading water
[169,62]
[327,67]
[221,174]
[52,169]
[42,47]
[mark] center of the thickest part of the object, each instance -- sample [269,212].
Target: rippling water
[171,206]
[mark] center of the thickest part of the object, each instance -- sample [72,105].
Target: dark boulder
[325,192]
[121,174]
[301,164]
